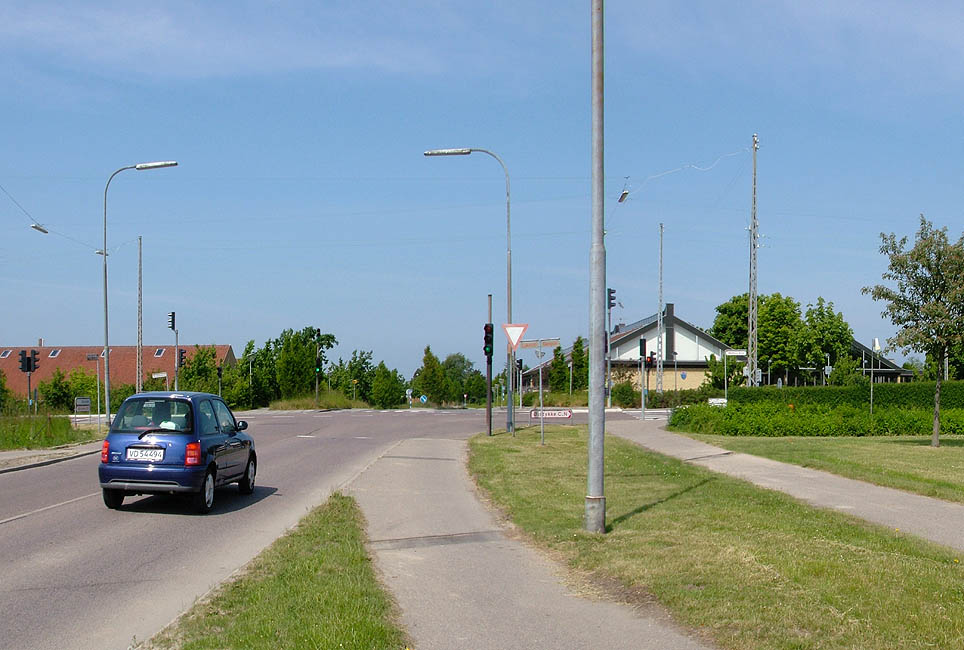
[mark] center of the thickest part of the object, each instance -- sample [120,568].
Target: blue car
[175,443]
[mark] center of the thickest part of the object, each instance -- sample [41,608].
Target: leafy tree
[295,365]
[927,304]
[55,392]
[779,327]
[457,370]
[558,371]
[430,378]
[716,370]
[825,332]
[200,372]
[475,386]
[580,365]
[730,324]
[388,387]
[4,392]
[847,372]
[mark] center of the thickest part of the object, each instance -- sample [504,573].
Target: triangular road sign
[514,332]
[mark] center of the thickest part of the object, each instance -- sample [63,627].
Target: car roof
[183,395]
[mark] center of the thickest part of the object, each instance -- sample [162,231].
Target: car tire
[113,499]
[204,500]
[246,484]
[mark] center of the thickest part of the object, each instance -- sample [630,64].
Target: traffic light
[180,357]
[318,364]
[518,364]
[24,361]
[612,297]
[170,320]
[652,359]
[34,364]
[642,349]
[487,330]
[219,372]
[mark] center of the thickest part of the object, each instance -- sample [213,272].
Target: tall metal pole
[659,320]
[595,516]
[139,385]
[488,380]
[177,360]
[752,298]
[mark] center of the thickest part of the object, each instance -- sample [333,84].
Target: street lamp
[510,354]
[138,167]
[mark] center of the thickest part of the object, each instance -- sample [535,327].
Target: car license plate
[151,454]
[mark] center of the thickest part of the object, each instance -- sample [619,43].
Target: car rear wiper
[141,436]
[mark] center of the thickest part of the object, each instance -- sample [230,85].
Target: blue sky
[302,196]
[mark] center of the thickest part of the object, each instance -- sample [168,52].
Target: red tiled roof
[123,362]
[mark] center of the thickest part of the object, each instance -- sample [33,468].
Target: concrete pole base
[596,514]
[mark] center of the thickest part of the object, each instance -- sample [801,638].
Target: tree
[200,373]
[55,392]
[927,305]
[779,326]
[475,386]
[730,324]
[388,387]
[4,392]
[457,370]
[826,332]
[717,370]
[580,365]
[430,379]
[558,371]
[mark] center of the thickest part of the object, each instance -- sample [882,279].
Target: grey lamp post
[139,167]
[510,355]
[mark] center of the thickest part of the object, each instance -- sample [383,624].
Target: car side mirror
[242,425]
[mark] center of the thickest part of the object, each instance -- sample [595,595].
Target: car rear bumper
[155,479]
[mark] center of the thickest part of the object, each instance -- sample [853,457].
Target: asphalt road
[77,575]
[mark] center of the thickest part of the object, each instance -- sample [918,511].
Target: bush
[913,395]
[625,396]
[766,419]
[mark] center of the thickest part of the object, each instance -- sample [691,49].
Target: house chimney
[40,342]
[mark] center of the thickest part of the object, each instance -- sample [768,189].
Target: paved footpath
[933,519]
[460,582]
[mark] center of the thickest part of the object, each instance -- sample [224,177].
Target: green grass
[40,432]
[313,588]
[750,568]
[327,399]
[903,462]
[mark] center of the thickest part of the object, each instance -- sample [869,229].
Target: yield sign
[514,332]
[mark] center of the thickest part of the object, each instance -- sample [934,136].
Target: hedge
[769,419]
[914,395]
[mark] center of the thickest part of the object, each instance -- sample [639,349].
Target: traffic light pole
[177,359]
[488,379]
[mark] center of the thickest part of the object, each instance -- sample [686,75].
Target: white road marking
[305,436]
[56,505]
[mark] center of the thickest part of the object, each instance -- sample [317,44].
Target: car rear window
[140,414]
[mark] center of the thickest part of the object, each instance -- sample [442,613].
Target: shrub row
[767,419]
[917,394]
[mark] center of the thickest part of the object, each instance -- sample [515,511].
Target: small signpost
[539,344]
[82,405]
[408,395]
[514,332]
[726,376]
[565,414]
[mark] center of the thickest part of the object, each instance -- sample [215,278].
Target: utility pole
[659,320]
[139,384]
[488,378]
[595,514]
[752,311]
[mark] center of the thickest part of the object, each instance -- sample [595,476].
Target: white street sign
[735,353]
[551,413]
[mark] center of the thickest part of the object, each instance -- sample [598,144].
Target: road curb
[50,461]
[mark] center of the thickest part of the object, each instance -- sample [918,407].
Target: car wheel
[246,484]
[113,498]
[204,500]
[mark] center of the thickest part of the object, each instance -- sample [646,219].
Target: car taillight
[104,452]
[192,453]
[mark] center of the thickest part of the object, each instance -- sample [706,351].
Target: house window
[54,353]
[5,354]
[159,352]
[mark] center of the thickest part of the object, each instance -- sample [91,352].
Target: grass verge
[903,462]
[313,588]
[749,567]
[327,399]
[39,432]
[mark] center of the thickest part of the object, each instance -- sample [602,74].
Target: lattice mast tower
[751,351]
